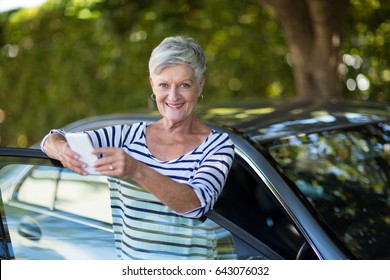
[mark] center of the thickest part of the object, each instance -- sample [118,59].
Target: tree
[95,52]
[313,33]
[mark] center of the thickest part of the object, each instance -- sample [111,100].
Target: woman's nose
[174,92]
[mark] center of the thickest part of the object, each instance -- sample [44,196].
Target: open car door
[49,212]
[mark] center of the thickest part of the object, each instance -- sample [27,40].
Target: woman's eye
[163,85]
[185,85]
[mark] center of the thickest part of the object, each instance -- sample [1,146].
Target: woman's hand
[56,147]
[70,159]
[115,162]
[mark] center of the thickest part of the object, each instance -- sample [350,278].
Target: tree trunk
[312,30]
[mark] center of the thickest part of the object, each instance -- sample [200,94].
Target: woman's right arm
[54,145]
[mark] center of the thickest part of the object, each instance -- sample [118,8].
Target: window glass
[37,186]
[37,230]
[59,188]
[87,196]
[246,202]
[345,177]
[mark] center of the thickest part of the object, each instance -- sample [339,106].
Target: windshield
[344,174]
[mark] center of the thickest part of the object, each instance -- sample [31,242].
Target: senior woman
[179,165]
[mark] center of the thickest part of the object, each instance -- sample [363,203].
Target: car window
[85,196]
[35,185]
[246,201]
[53,213]
[345,176]
[60,189]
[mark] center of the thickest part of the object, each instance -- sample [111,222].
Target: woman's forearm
[52,145]
[178,196]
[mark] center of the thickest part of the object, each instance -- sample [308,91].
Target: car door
[49,212]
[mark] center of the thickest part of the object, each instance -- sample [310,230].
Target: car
[306,183]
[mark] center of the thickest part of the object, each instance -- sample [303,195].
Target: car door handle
[29,228]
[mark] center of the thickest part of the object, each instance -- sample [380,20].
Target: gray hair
[178,50]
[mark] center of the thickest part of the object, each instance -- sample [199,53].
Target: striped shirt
[144,228]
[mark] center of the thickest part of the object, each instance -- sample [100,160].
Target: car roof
[266,121]
[261,121]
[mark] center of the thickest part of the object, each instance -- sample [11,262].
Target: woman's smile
[174,106]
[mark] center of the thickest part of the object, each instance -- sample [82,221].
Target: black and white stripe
[145,228]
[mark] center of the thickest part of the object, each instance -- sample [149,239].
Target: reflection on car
[310,186]
[53,213]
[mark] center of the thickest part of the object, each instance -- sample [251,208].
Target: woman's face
[177,92]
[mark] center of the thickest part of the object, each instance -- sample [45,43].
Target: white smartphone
[81,144]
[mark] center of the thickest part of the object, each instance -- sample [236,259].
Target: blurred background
[64,60]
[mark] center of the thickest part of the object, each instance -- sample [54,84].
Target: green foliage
[76,58]
[367,42]
[72,59]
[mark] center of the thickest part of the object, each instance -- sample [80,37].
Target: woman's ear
[151,81]
[201,85]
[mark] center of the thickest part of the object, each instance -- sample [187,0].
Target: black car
[305,184]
